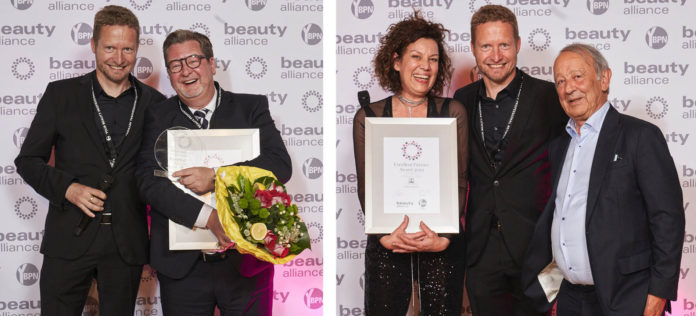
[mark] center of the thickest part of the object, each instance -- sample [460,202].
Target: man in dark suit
[512,118]
[193,282]
[614,225]
[95,123]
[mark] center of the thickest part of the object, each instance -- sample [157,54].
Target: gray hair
[598,61]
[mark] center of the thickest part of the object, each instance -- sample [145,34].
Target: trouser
[64,284]
[217,283]
[493,282]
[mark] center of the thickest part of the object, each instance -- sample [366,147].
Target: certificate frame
[377,221]
[214,141]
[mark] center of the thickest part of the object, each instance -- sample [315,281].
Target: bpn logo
[362,9]
[311,34]
[597,7]
[314,298]
[19,136]
[27,274]
[656,37]
[312,168]
[22,4]
[255,5]
[143,68]
[81,33]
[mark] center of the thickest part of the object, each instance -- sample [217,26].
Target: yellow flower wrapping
[225,177]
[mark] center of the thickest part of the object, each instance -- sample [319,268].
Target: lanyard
[186,111]
[109,141]
[512,116]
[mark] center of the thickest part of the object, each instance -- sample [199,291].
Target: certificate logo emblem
[423,202]
[411,150]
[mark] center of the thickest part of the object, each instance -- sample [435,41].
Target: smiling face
[195,87]
[495,50]
[579,89]
[417,67]
[115,53]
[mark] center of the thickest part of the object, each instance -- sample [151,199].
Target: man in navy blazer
[193,282]
[612,233]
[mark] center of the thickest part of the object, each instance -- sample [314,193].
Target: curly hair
[399,36]
[493,13]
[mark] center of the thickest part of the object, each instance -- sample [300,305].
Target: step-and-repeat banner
[651,49]
[262,47]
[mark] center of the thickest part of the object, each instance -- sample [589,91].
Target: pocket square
[616,158]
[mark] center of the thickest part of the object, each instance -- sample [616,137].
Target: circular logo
[312,168]
[311,34]
[256,67]
[314,298]
[475,74]
[656,107]
[19,136]
[361,217]
[411,150]
[81,33]
[23,68]
[200,28]
[255,5]
[656,37]
[362,9]
[312,101]
[22,4]
[26,207]
[140,7]
[362,281]
[597,7]
[148,274]
[143,68]
[27,274]
[363,78]
[474,5]
[539,39]
[423,202]
[319,234]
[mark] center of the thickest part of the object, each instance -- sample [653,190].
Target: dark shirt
[496,115]
[116,112]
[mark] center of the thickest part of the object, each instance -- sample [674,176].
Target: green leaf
[266,181]
[303,243]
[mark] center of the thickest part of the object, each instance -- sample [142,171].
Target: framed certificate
[205,148]
[411,169]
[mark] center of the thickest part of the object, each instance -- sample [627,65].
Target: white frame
[245,140]
[376,129]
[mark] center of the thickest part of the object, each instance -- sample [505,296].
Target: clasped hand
[425,240]
[200,180]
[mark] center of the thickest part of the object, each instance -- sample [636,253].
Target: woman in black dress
[412,63]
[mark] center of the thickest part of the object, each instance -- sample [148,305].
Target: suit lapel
[558,148]
[475,123]
[85,105]
[602,158]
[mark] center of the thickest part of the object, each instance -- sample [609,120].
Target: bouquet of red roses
[257,213]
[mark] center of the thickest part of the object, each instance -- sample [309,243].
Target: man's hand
[200,180]
[216,228]
[396,241]
[654,306]
[88,199]
[431,242]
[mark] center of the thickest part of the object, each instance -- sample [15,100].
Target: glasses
[192,61]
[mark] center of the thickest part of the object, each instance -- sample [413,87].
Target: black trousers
[64,284]
[577,300]
[211,284]
[493,282]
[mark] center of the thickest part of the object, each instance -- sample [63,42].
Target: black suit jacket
[635,218]
[65,118]
[517,191]
[168,202]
